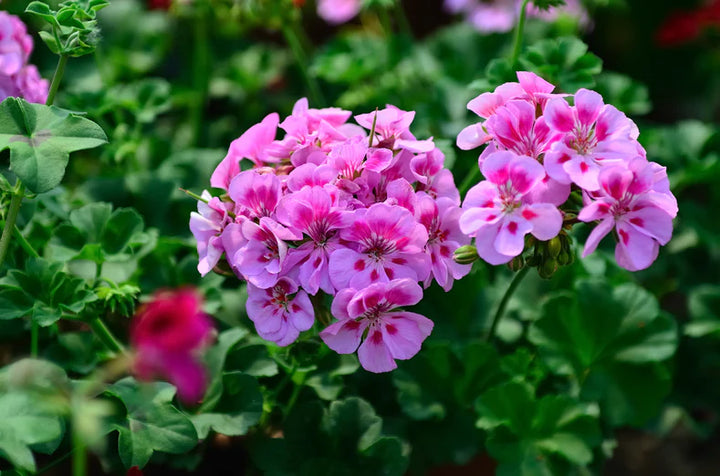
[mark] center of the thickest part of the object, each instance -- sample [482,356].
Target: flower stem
[292,36]
[105,336]
[12,214]
[519,34]
[505,299]
[19,192]
[25,244]
[79,456]
[57,77]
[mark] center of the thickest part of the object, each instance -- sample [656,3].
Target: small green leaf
[41,138]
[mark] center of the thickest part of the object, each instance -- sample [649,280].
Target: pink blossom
[278,317]
[440,218]
[338,11]
[255,195]
[594,134]
[641,215]
[257,251]
[497,214]
[385,243]
[390,334]
[392,129]
[207,226]
[17,77]
[249,146]
[312,211]
[167,334]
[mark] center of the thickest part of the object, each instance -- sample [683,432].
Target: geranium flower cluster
[359,212]
[499,16]
[540,150]
[17,77]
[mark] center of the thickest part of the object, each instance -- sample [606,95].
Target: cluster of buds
[548,165]
[17,77]
[331,209]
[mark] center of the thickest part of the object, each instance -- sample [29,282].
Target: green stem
[469,181]
[25,244]
[19,192]
[34,337]
[519,34]
[201,79]
[402,19]
[293,38]
[105,336]
[10,220]
[79,456]
[297,388]
[505,299]
[57,77]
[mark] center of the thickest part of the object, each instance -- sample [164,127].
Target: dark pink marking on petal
[399,261]
[563,158]
[390,273]
[584,167]
[637,221]
[359,265]
[445,251]
[376,337]
[528,214]
[374,275]
[295,308]
[624,236]
[512,227]
[391,329]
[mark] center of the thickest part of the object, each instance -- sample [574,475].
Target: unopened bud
[466,254]
[564,258]
[548,268]
[517,263]
[554,247]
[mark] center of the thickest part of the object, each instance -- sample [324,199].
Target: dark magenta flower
[167,334]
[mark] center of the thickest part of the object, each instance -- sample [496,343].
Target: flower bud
[517,263]
[554,247]
[466,254]
[548,268]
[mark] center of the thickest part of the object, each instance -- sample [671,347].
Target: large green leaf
[24,423]
[152,422]
[42,291]
[41,138]
[531,436]
[600,335]
[237,411]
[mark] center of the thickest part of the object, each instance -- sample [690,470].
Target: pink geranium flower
[594,134]
[628,202]
[385,243]
[312,211]
[338,11]
[251,145]
[206,226]
[168,334]
[496,213]
[389,334]
[257,251]
[256,195]
[440,218]
[278,315]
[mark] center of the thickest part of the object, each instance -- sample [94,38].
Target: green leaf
[624,93]
[600,334]
[152,422]
[44,292]
[41,138]
[25,423]
[704,306]
[237,411]
[526,432]
[564,62]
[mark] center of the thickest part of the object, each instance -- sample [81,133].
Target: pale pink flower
[390,335]
[251,145]
[641,215]
[441,220]
[392,129]
[257,251]
[206,226]
[278,316]
[312,211]
[338,11]
[594,134]
[496,213]
[255,195]
[384,243]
